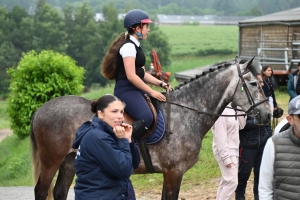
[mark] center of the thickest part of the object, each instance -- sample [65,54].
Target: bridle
[244,87]
[249,96]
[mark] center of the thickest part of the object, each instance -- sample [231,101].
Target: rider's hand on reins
[166,86]
[157,95]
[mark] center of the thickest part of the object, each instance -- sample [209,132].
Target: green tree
[37,79]
[5,25]
[9,55]
[83,43]
[27,37]
[174,9]
[16,16]
[108,31]
[8,58]
[49,29]
[254,11]
[111,27]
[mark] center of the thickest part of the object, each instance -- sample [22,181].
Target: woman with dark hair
[106,154]
[124,62]
[268,87]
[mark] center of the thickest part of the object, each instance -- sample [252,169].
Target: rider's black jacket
[254,136]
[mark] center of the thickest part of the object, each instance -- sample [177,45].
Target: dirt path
[204,191]
[4,133]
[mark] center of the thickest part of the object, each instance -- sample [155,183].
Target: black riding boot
[138,129]
[256,197]
[237,197]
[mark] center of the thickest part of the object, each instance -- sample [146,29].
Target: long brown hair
[264,68]
[108,66]
[109,63]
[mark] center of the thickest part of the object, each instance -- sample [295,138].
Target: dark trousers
[136,105]
[130,190]
[248,159]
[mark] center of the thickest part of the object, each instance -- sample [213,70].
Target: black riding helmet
[136,16]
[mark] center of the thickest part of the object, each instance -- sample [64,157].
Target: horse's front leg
[171,187]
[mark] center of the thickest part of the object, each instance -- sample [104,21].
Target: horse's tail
[36,164]
[35,160]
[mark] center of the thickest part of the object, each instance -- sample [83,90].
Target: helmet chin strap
[140,35]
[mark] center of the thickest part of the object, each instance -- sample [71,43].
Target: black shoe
[138,129]
[239,197]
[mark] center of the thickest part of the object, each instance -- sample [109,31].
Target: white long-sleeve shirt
[266,179]
[226,135]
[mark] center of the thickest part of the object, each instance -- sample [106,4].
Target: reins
[201,112]
[168,128]
[244,87]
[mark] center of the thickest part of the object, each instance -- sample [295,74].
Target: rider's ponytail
[110,61]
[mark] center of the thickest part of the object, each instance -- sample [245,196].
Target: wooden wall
[269,36]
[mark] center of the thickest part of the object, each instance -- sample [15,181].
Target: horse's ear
[248,63]
[237,60]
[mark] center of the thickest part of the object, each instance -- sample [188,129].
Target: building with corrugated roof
[274,40]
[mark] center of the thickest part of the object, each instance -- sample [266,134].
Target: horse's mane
[219,66]
[198,76]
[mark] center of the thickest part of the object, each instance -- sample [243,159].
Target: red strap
[156,62]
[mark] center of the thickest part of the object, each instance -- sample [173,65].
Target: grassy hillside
[202,40]
[4,120]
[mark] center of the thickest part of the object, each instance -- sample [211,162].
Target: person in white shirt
[279,170]
[226,150]
[125,61]
[282,125]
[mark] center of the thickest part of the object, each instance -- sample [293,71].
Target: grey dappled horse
[195,106]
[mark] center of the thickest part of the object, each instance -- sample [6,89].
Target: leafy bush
[37,79]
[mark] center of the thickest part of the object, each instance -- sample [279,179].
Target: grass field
[4,119]
[200,40]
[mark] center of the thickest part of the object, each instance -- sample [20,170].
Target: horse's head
[249,94]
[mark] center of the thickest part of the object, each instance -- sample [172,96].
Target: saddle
[151,129]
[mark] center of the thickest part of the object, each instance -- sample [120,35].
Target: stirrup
[138,129]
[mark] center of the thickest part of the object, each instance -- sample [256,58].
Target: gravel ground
[21,192]
[24,193]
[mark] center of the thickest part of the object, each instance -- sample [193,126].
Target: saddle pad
[159,131]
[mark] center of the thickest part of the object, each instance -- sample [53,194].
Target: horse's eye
[253,84]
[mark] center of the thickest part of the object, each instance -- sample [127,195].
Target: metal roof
[202,19]
[287,16]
